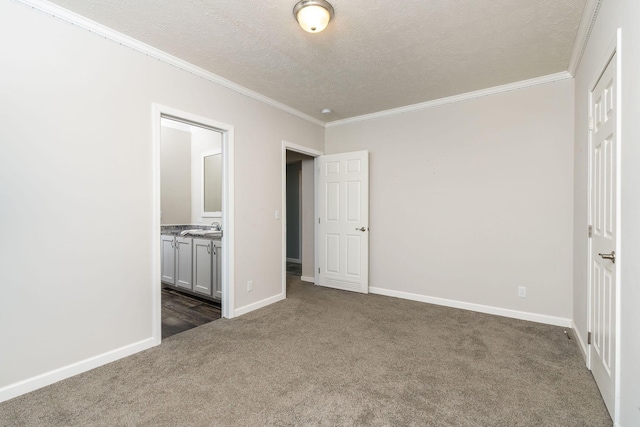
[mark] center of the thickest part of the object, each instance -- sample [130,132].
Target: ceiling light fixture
[313,15]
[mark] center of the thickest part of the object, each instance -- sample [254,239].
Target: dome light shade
[313,15]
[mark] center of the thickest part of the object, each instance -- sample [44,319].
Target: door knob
[361,229]
[611,256]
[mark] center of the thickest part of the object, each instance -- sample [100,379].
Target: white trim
[156,223]
[309,152]
[110,34]
[620,258]
[316,219]
[589,219]
[505,312]
[581,344]
[300,215]
[308,279]
[456,98]
[228,224]
[228,241]
[30,384]
[589,16]
[301,149]
[260,304]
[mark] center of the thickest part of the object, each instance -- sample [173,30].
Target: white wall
[613,14]
[471,200]
[76,141]
[182,147]
[175,179]
[202,141]
[308,218]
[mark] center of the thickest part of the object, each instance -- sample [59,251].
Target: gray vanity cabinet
[168,254]
[207,259]
[193,265]
[183,263]
[204,266]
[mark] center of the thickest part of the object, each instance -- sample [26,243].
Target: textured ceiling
[374,55]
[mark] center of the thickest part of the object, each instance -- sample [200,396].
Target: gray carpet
[327,357]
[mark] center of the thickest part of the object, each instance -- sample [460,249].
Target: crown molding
[456,98]
[589,16]
[591,9]
[110,34]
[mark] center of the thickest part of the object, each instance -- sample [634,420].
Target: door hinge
[588,338]
[318,270]
[318,220]
[590,123]
[590,231]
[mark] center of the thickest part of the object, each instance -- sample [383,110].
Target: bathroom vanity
[192,263]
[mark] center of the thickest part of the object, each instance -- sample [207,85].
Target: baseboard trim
[583,347]
[257,305]
[505,312]
[42,380]
[308,279]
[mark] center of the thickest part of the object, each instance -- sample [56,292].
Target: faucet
[216,225]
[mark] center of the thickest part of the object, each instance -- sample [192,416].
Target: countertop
[175,230]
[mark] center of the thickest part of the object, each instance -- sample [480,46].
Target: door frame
[228,258]
[312,153]
[613,49]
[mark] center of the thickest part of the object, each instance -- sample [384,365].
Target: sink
[204,233]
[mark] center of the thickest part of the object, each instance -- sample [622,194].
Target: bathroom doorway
[190,207]
[192,221]
[298,207]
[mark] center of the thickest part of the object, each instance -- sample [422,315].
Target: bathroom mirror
[212,184]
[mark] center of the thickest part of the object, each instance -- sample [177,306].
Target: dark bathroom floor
[181,312]
[294,268]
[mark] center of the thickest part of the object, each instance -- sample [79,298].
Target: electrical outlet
[249,285]
[277,214]
[522,291]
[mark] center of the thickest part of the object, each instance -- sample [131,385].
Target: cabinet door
[217,271]
[203,266]
[183,262]
[168,260]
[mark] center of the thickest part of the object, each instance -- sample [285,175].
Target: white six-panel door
[343,221]
[604,146]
